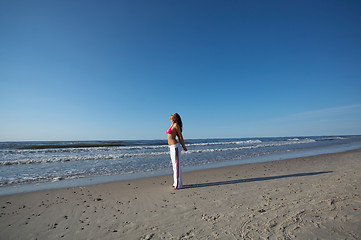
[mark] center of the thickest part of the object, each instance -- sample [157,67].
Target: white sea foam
[283,143]
[222,149]
[79,158]
[293,139]
[226,143]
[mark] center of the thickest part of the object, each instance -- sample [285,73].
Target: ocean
[29,166]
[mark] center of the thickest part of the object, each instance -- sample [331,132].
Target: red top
[169,131]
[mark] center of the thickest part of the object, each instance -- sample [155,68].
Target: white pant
[175,151]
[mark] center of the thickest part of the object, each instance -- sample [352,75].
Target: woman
[174,131]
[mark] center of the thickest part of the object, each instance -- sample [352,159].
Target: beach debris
[261,210]
[148,236]
[211,218]
[331,202]
[53,226]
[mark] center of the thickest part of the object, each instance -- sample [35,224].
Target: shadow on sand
[199,185]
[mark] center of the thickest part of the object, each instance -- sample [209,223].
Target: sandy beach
[316,197]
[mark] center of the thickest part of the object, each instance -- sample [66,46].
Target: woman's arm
[180,138]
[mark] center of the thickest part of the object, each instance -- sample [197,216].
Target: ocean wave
[222,149]
[78,158]
[73,148]
[331,138]
[264,145]
[225,143]
[297,141]
[110,156]
[74,145]
[79,149]
[293,139]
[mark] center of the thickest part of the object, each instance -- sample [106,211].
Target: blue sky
[101,70]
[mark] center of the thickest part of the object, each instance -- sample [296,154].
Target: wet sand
[302,198]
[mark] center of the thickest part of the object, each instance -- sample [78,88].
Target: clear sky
[106,70]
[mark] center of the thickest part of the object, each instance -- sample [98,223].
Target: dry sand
[315,197]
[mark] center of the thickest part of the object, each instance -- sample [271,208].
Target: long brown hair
[177,119]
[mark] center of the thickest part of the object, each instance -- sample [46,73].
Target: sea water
[26,166]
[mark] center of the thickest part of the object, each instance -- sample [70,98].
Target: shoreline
[94,180]
[307,197]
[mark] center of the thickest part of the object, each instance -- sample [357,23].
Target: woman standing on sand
[174,131]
